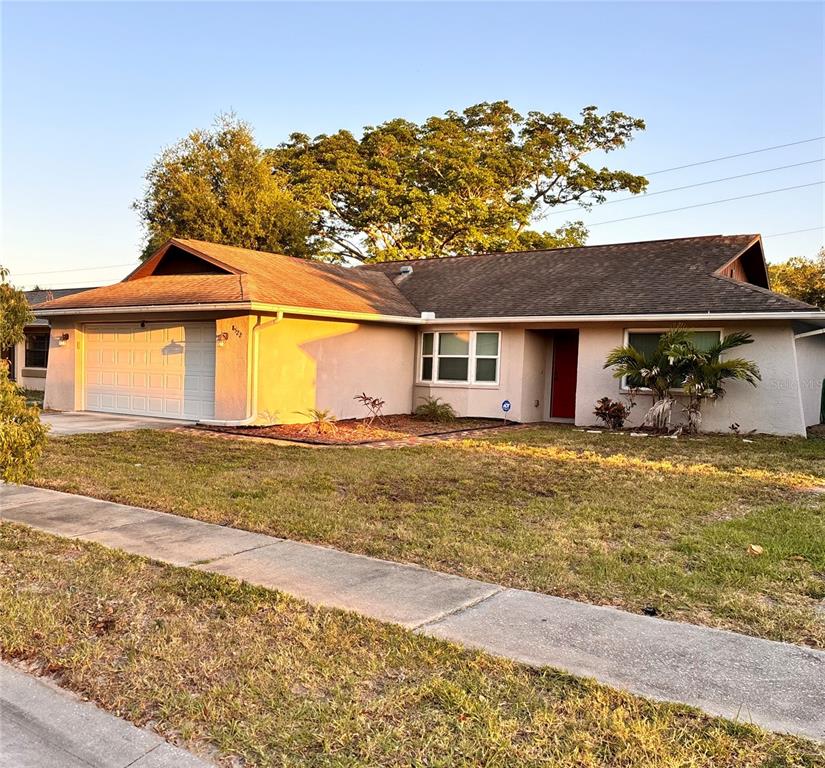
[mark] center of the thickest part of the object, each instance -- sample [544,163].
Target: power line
[76,269]
[646,195]
[794,232]
[712,202]
[730,157]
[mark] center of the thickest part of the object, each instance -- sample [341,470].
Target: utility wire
[76,269]
[794,232]
[692,186]
[702,205]
[730,157]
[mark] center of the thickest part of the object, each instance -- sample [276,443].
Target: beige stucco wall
[305,363]
[534,385]
[64,375]
[774,406]
[485,399]
[810,360]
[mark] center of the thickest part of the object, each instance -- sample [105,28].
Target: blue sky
[91,92]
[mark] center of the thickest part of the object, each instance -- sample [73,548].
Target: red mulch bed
[357,431]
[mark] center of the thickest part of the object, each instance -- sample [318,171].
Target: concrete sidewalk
[43,726]
[775,685]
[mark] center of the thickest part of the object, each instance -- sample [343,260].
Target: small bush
[612,412]
[375,406]
[433,409]
[323,420]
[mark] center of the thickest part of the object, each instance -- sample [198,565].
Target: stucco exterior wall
[774,406]
[233,375]
[484,400]
[306,363]
[534,385]
[810,360]
[64,375]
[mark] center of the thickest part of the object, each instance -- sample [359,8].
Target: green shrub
[433,409]
[322,419]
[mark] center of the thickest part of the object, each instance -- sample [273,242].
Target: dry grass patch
[268,681]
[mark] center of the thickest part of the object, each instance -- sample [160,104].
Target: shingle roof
[40,295]
[266,278]
[652,277]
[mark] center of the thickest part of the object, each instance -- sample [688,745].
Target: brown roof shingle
[266,278]
[652,277]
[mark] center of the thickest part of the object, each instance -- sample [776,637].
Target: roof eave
[245,306]
[816,316]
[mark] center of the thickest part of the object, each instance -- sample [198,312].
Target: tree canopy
[462,183]
[801,278]
[218,185]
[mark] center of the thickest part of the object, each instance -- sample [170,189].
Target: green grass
[259,679]
[609,519]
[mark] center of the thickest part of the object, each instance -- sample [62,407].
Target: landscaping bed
[360,431]
[250,677]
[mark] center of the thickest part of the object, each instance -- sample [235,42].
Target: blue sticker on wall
[505,406]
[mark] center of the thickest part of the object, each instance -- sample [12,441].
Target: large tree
[217,185]
[479,180]
[801,278]
[22,435]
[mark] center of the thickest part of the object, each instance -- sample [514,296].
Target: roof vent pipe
[403,273]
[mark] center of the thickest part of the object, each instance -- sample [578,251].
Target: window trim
[471,358]
[26,336]
[623,388]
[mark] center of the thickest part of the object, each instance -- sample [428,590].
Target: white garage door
[160,369]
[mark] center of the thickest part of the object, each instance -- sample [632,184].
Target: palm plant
[657,371]
[705,372]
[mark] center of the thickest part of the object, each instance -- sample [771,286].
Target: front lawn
[647,524]
[255,678]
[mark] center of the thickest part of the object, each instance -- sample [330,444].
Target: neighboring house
[212,332]
[28,358]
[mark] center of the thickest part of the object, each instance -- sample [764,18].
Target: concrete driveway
[83,422]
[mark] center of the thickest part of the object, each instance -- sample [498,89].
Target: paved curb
[44,726]
[778,686]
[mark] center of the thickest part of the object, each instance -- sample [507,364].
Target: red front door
[565,360]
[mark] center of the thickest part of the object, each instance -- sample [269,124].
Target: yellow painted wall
[305,363]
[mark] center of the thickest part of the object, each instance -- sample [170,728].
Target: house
[28,358]
[223,334]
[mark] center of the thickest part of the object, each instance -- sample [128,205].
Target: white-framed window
[645,340]
[460,357]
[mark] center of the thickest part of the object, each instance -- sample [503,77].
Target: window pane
[37,350]
[454,343]
[452,368]
[645,343]
[487,344]
[427,344]
[427,369]
[704,340]
[486,369]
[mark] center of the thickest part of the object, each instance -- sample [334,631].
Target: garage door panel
[158,370]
